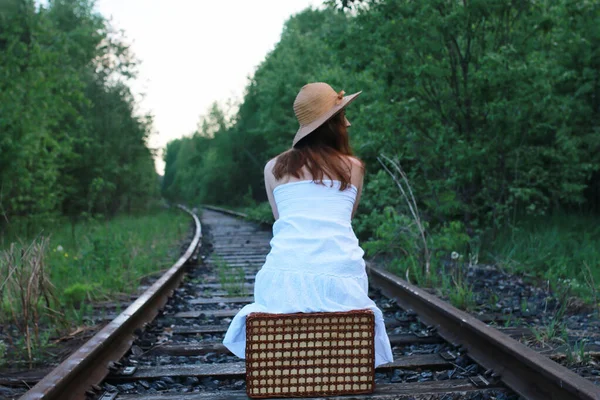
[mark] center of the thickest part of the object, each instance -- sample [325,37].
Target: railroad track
[440,352]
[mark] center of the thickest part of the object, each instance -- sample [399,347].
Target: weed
[401,180]
[260,213]
[35,350]
[589,279]
[2,353]
[554,330]
[54,279]
[78,315]
[27,292]
[110,257]
[232,279]
[559,248]
[509,320]
[538,334]
[524,305]
[494,298]
[197,281]
[77,293]
[461,295]
[455,285]
[576,354]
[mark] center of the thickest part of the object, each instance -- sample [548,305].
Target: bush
[77,293]
[260,213]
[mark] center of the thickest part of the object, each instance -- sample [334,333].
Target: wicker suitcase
[308,355]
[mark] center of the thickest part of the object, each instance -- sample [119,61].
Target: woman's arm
[269,185]
[357,198]
[357,179]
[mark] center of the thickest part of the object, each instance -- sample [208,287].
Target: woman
[315,262]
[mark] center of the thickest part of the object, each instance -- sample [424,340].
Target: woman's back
[351,194]
[313,233]
[315,200]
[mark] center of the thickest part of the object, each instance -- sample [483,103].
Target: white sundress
[315,263]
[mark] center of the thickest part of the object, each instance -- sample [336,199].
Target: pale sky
[195,52]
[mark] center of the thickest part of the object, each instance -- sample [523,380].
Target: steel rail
[522,369]
[225,211]
[90,363]
[528,373]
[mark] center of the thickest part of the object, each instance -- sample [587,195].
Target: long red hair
[323,153]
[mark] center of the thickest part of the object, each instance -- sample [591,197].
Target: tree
[71,141]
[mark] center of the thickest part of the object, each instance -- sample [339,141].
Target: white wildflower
[454,255]
[59,248]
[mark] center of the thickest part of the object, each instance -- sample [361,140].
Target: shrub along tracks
[180,356]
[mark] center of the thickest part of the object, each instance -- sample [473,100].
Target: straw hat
[315,104]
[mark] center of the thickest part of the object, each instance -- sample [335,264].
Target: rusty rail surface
[91,362]
[528,373]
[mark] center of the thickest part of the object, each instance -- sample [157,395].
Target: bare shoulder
[356,164]
[357,170]
[270,164]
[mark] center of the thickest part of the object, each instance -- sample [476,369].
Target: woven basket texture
[310,354]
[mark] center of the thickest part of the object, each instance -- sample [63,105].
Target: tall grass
[564,249]
[63,270]
[109,257]
[26,291]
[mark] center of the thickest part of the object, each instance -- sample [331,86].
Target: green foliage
[27,295]
[260,213]
[461,295]
[92,260]
[370,213]
[491,106]
[103,258]
[395,233]
[562,248]
[77,293]
[553,330]
[577,353]
[478,123]
[450,237]
[70,142]
[96,259]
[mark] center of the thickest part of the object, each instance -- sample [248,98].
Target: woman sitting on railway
[315,263]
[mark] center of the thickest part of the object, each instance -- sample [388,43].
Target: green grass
[577,354]
[105,258]
[71,266]
[260,213]
[100,259]
[232,279]
[460,293]
[555,329]
[563,249]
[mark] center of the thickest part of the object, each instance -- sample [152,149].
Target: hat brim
[307,129]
